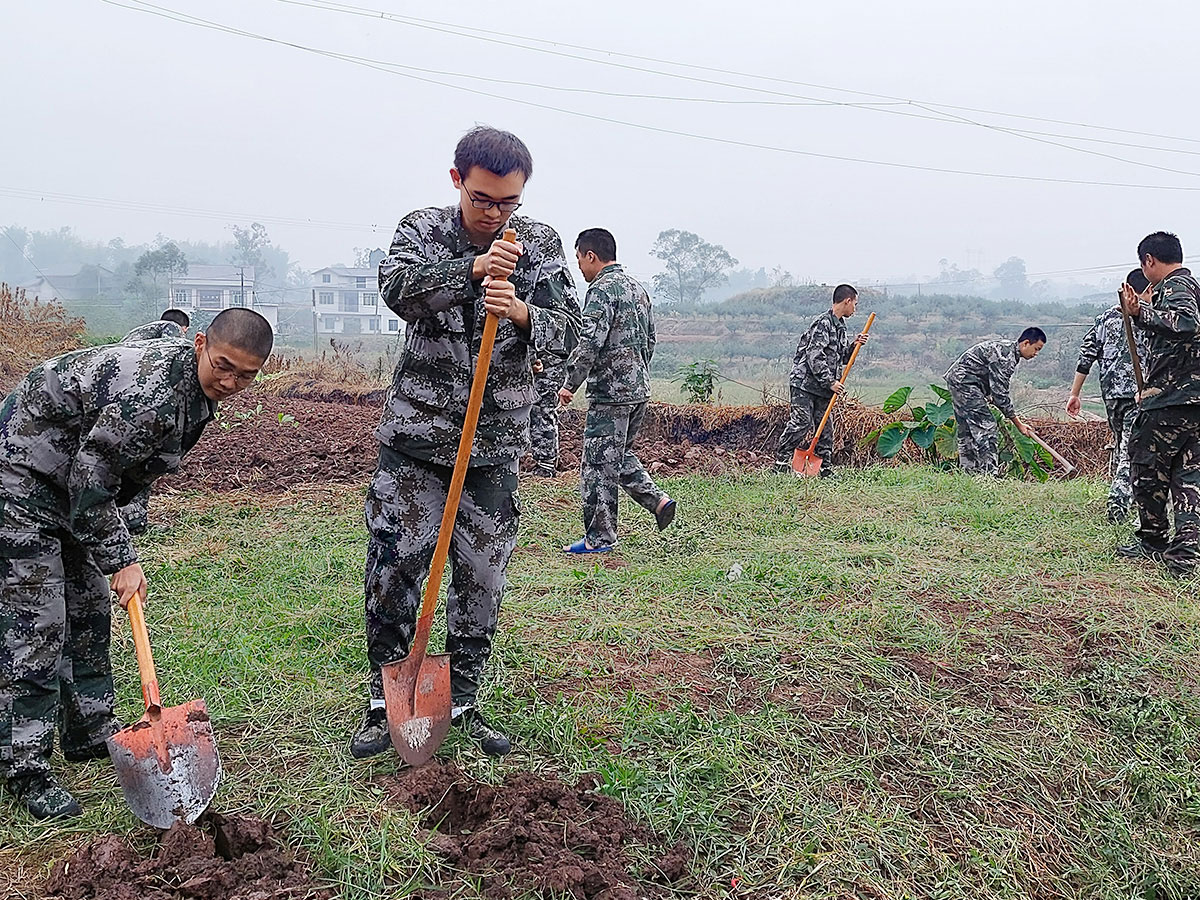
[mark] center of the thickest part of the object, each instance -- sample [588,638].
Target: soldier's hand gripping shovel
[416,689]
[166,762]
[806,463]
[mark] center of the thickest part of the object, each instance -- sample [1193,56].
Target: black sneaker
[545,472]
[491,740]
[1138,550]
[666,515]
[372,737]
[783,466]
[43,796]
[827,472]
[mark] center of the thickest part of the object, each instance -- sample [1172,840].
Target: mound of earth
[226,859]
[537,834]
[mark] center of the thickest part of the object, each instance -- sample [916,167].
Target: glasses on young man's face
[224,370]
[505,206]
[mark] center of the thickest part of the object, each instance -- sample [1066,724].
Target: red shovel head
[416,692]
[167,764]
[806,463]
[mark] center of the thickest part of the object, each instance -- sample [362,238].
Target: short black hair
[1033,335]
[598,240]
[500,152]
[178,316]
[242,328]
[1163,246]
[844,292]
[1137,280]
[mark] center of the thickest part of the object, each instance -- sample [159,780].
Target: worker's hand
[1023,428]
[861,339]
[500,261]
[1133,301]
[839,388]
[538,368]
[565,397]
[500,299]
[129,581]
[1073,405]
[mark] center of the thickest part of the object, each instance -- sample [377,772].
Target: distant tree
[1014,282]
[781,277]
[963,279]
[367,258]
[150,271]
[693,266]
[249,248]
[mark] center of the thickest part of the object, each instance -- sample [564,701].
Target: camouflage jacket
[152,330]
[989,366]
[1106,342]
[89,430]
[616,341]
[1172,329]
[426,280]
[823,349]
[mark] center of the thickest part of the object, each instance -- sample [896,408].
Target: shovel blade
[416,693]
[168,765]
[805,463]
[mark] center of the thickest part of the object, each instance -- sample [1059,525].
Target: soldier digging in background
[822,352]
[446,267]
[1164,448]
[172,323]
[616,342]
[1106,343]
[83,433]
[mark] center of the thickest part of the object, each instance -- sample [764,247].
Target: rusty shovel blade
[416,692]
[167,764]
[805,463]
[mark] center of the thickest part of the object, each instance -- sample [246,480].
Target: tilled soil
[537,834]
[224,859]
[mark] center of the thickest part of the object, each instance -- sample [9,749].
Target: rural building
[65,285]
[214,288]
[345,301]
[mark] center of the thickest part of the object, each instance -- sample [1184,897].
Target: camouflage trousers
[807,410]
[1164,458]
[543,420]
[55,614]
[609,463]
[978,433]
[403,511]
[1121,414]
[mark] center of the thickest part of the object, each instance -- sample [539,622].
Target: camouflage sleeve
[136,513]
[651,338]
[412,286]
[1000,373]
[1174,312]
[597,320]
[554,307]
[1089,349]
[823,354]
[118,440]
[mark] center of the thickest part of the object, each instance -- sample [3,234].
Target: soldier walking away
[1106,342]
[616,343]
[548,377]
[172,323]
[83,433]
[1164,448]
[446,268]
[816,370]
[984,372]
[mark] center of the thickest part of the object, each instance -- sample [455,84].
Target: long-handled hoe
[806,463]
[416,689]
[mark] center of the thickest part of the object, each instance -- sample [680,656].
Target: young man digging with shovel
[823,349]
[613,357]
[82,434]
[448,267]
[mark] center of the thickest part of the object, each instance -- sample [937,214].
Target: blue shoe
[580,546]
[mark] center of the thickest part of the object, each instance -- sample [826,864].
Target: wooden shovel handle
[1133,351]
[845,375]
[141,645]
[454,495]
[1058,457]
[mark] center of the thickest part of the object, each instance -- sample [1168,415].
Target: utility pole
[316,339]
[242,296]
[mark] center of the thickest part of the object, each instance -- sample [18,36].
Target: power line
[29,260]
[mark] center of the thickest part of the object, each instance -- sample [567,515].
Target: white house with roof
[346,301]
[214,288]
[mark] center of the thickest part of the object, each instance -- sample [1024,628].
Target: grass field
[921,685]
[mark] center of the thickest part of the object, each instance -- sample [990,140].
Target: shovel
[416,689]
[806,463]
[1068,469]
[167,761]
[1133,350]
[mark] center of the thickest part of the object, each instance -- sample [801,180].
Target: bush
[31,332]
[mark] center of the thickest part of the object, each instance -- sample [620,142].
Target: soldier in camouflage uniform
[816,372]
[1164,449]
[1106,342]
[616,343]
[548,376]
[984,372]
[172,323]
[444,270]
[83,433]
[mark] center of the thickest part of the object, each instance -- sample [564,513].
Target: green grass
[921,685]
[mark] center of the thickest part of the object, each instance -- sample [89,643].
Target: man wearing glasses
[84,433]
[446,268]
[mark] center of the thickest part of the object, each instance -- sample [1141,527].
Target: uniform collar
[611,267]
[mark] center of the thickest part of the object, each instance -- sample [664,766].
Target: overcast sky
[106,102]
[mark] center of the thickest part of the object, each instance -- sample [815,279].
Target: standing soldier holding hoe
[448,267]
[984,372]
[613,357]
[1164,449]
[816,370]
[82,434]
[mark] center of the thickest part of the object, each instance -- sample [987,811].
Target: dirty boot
[1138,550]
[491,740]
[43,796]
[93,746]
[372,737]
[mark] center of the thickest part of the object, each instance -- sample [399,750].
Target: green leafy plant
[698,380]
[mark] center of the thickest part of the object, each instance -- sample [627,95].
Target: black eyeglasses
[224,370]
[505,206]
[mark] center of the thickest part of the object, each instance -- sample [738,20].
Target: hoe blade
[167,764]
[417,695]
[805,463]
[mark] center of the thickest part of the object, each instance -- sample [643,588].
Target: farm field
[900,683]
